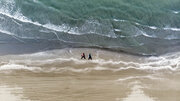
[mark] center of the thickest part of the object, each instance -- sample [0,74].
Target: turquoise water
[135,26]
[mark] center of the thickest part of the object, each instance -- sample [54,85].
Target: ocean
[134,45]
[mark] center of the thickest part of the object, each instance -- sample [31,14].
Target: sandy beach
[60,75]
[135,48]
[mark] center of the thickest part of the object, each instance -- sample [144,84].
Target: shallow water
[60,75]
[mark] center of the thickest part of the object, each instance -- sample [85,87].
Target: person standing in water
[90,57]
[83,56]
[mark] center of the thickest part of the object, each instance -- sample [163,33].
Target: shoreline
[110,76]
[27,50]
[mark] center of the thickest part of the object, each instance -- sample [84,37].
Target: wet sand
[60,75]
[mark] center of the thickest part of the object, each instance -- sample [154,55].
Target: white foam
[145,34]
[170,63]
[67,69]
[140,32]
[6,32]
[62,28]
[172,29]
[167,62]
[152,27]
[137,23]
[117,20]
[82,70]
[17,67]
[17,15]
[139,77]
[117,30]
[59,28]
[176,12]
[8,7]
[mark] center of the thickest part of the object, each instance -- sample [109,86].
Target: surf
[116,25]
[68,61]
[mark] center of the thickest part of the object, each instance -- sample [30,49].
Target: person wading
[90,57]
[83,56]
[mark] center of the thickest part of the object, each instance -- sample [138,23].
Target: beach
[60,75]
[135,48]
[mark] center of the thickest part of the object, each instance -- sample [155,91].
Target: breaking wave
[137,27]
[61,61]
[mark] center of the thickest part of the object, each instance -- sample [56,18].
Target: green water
[148,27]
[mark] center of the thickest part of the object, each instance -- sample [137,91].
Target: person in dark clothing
[90,57]
[83,56]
